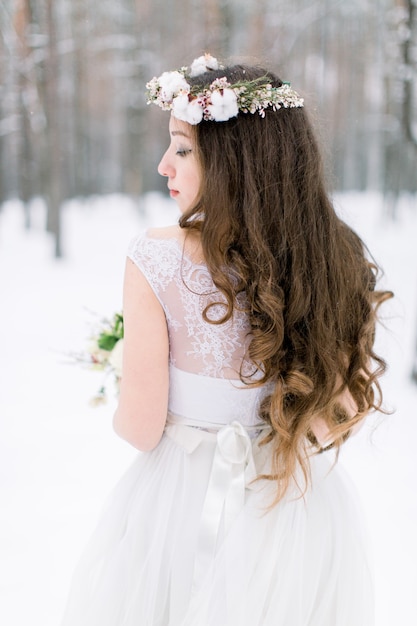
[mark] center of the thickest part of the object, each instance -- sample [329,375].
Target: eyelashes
[183,152]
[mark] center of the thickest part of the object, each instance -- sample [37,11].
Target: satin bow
[232,471]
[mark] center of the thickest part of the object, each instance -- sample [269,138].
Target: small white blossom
[170,84]
[98,400]
[219,83]
[186,110]
[202,64]
[97,355]
[223,105]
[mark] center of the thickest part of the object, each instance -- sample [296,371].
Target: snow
[59,457]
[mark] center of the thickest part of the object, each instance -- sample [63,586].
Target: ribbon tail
[233,464]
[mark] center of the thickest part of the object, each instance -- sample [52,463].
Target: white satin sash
[233,471]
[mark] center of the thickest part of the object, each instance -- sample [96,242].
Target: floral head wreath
[221,100]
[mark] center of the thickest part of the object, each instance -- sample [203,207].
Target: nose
[164,167]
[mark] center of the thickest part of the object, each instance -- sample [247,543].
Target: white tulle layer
[302,563]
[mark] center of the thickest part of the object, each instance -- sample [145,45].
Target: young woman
[248,352]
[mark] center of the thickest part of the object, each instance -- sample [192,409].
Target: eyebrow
[174,133]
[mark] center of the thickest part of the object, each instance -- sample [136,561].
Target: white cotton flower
[98,356]
[186,110]
[223,105]
[171,83]
[202,64]
[180,106]
[116,358]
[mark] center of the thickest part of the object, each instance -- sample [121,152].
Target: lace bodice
[184,289]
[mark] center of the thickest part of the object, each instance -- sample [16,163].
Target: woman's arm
[143,403]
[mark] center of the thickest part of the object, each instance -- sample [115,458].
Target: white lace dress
[186,538]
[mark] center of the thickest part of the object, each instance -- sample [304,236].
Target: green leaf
[107,342]
[118,325]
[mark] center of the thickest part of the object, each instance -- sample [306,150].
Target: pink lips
[173,193]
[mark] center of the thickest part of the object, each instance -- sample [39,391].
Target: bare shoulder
[188,240]
[166,232]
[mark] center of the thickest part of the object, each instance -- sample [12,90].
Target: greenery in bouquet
[105,353]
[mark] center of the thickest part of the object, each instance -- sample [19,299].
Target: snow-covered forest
[73,115]
[78,156]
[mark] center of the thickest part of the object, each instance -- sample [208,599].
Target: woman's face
[180,165]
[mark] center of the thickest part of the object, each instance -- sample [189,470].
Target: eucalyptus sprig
[112,333]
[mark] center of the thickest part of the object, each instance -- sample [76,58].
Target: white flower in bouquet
[98,356]
[105,353]
[116,358]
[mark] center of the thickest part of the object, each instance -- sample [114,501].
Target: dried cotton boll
[171,83]
[223,105]
[187,111]
[202,64]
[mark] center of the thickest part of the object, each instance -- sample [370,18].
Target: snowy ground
[59,457]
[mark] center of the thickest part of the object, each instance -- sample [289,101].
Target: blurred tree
[409,54]
[81,182]
[25,157]
[400,103]
[54,193]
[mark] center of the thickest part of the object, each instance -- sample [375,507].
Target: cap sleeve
[157,259]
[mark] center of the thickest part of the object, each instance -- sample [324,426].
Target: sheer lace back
[185,288]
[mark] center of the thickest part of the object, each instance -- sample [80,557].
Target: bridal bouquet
[105,352]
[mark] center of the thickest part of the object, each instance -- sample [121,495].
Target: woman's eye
[183,152]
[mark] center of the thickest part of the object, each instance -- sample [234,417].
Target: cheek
[196,178]
[194,188]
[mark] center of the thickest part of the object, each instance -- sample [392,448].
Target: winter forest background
[73,116]
[78,155]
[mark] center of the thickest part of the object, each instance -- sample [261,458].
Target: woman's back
[205,359]
[188,536]
[185,288]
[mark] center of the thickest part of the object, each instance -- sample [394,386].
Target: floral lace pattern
[184,290]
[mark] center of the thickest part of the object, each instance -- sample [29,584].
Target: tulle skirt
[188,539]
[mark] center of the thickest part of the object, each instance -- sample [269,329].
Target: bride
[248,358]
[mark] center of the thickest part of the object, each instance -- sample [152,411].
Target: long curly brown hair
[264,214]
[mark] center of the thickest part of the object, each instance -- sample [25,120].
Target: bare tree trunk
[257,27]
[401,146]
[82,157]
[408,98]
[409,120]
[25,157]
[53,157]
[216,16]
[3,81]
[9,102]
